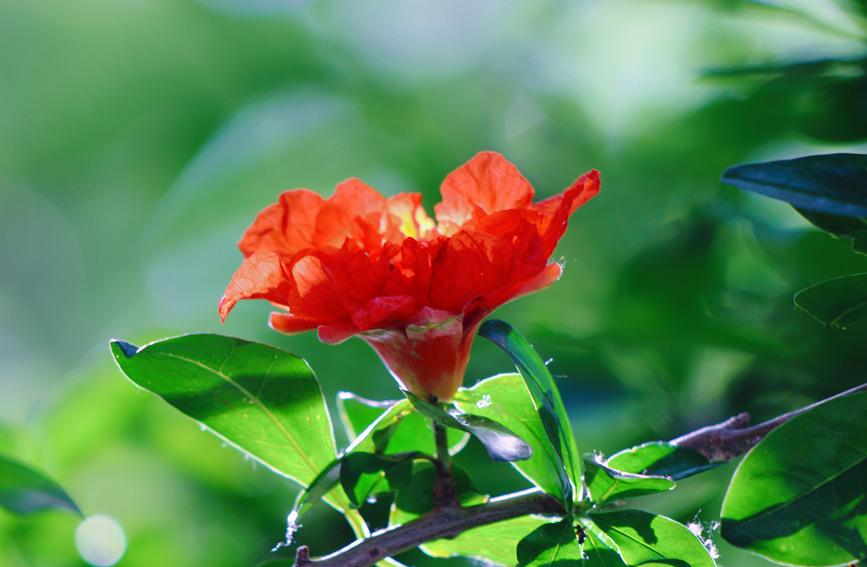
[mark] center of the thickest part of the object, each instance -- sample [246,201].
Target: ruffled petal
[261,276]
[485,184]
[290,324]
[285,227]
[414,222]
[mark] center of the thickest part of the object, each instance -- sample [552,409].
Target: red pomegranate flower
[415,290]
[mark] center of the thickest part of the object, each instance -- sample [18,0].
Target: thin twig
[445,494]
[732,438]
[436,524]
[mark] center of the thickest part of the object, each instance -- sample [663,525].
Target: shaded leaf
[416,496]
[501,443]
[357,413]
[838,302]
[835,183]
[505,398]
[363,474]
[494,543]
[545,396]
[553,544]
[25,491]
[660,459]
[799,496]
[262,400]
[647,539]
[606,483]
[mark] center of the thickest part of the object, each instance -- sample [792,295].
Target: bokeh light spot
[100,541]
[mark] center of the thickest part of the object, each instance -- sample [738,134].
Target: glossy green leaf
[501,443]
[835,183]
[647,539]
[494,543]
[838,302]
[545,396]
[660,459]
[800,496]
[416,496]
[599,550]
[554,545]
[260,399]
[25,491]
[398,428]
[606,484]
[505,398]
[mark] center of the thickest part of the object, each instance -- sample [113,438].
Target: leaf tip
[129,350]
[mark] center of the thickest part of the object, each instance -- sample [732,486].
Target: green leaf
[397,429]
[554,544]
[799,496]
[599,550]
[837,302]
[505,398]
[546,398]
[848,227]
[363,474]
[357,413]
[260,399]
[647,539]
[606,483]
[835,183]
[660,459]
[491,544]
[501,443]
[415,498]
[25,491]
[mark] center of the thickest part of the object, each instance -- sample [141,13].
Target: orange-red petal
[485,184]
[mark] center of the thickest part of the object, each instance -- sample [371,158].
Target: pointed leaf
[494,543]
[647,539]
[260,399]
[606,484]
[661,459]
[501,443]
[554,545]
[799,496]
[25,491]
[833,183]
[837,302]
[356,413]
[505,398]
[545,396]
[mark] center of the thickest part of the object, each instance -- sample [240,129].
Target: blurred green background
[139,138]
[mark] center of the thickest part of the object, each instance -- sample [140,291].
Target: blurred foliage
[138,139]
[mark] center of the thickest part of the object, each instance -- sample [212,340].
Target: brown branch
[439,523]
[732,438]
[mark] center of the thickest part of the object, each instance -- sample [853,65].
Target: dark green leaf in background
[501,443]
[835,183]
[849,227]
[606,483]
[363,474]
[659,458]
[554,545]
[25,491]
[837,302]
[800,496]
[545,396]
[647,539]
[357,413]
[505,398]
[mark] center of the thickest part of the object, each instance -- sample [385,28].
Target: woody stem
[445,493]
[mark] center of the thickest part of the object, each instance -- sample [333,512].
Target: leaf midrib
[305,456]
